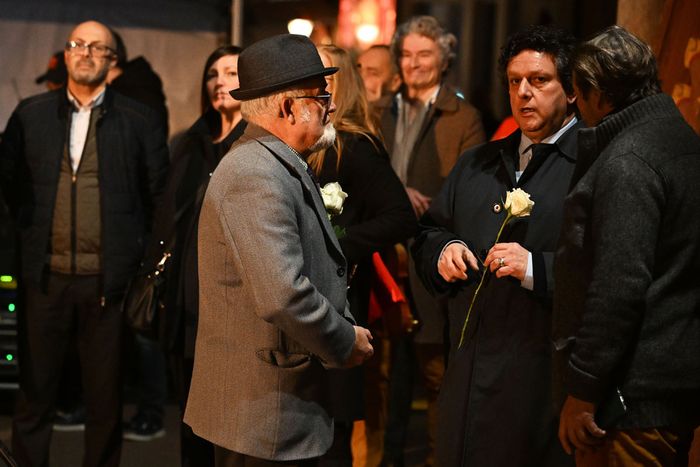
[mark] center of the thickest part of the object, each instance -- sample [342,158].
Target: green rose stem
[509,216]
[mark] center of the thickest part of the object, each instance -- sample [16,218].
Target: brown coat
[451,126]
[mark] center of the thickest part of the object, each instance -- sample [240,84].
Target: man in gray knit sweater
[627,300]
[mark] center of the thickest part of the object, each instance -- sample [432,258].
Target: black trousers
[226,458]
[67,308]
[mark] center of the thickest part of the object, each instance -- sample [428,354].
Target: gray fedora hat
[276,63]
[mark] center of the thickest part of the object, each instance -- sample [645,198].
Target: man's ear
[286,109]
[571,98]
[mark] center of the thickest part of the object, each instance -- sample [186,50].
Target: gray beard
[326,140]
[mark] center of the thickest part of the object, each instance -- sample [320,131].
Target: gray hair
[253,110]
[429,27]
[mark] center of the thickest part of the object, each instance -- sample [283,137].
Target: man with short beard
[273,278]
[81,168]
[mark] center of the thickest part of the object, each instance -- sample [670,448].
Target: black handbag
[143,301]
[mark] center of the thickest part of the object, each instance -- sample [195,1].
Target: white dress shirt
[79,126]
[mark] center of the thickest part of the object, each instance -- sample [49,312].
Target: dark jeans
[68,308]
[226,458]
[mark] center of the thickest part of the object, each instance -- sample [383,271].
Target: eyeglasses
[325,100]
[98,50]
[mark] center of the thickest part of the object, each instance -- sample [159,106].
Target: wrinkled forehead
[91,32]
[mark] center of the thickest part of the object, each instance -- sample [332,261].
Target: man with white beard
[272,275]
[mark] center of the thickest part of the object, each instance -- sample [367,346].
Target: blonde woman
[377,214]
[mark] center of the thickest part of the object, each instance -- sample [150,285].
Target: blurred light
[300,26]
[8,282]
[9,357]
[367,33]
[11,307]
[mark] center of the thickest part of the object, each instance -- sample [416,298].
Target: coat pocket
[283,359]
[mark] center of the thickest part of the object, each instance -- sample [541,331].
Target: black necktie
[539,150]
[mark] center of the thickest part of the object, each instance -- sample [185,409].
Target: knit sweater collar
[658,106]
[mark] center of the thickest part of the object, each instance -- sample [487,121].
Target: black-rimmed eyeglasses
[325,99]
[98,50]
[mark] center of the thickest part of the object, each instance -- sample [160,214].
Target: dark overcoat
[494,406]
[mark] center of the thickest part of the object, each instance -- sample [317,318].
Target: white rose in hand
[333,198]
[518,203]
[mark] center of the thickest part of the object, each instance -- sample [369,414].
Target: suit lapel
[287,157]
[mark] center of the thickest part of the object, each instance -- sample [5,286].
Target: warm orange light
[362,23]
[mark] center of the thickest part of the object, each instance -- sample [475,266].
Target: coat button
[497,208]
[341,271]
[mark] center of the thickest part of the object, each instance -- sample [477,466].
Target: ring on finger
[501,262]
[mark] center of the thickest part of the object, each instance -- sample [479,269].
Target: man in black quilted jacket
[81,168]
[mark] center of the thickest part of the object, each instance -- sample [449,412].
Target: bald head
[89,54]
[95,31]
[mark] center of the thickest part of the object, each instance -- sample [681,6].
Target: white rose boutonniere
[333,199]
[517,204]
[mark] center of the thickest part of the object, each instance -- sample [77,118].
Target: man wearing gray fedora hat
[272,275]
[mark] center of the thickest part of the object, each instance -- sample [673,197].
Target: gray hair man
[273,279]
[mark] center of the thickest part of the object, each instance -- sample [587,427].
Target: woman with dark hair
[193,160]
[376,215]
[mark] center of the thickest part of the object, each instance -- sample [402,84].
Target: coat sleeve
[155,160]
[627,210]
[265,237]
[435,231]
[11,159]
[543,273]
[388,216]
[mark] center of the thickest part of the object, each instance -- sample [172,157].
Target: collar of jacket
[286,155]
[65,106]
[566,144]
[446,100]
[594,140]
